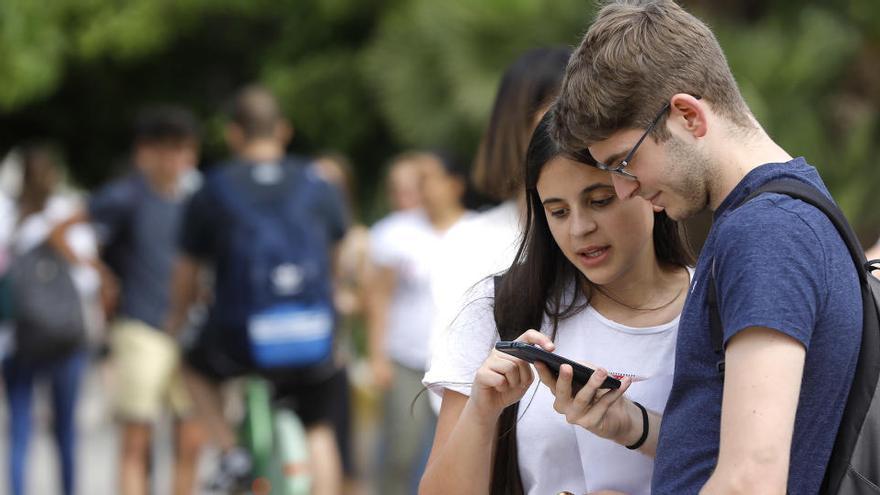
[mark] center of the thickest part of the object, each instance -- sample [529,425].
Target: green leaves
[31,50]
[370,77]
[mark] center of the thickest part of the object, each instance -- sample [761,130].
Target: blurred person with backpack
[770,335]
[267,226]
[55,306]
[400,310]
[137,218]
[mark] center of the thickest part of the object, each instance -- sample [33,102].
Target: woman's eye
[602,202]
[559,212]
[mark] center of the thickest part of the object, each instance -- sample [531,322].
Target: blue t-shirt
[138,231]
[779,263]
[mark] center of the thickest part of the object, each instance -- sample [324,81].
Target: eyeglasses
[620,169]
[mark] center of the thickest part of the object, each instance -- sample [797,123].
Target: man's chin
[680,214]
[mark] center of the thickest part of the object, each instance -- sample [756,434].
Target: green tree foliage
[810,75]
[372,77]
[435,66]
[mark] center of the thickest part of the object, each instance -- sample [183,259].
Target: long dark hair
[40,175]
[536,282]
[529,85]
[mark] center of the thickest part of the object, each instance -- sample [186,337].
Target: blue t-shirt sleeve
[334,212]
[197,231]
[111,208]
[770,267]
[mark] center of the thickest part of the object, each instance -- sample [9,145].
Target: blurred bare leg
[190,439]
[135,452]
[325,464]
[209,408]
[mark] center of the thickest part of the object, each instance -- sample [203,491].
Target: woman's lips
[593,256]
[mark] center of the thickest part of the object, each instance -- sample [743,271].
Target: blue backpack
[277,279]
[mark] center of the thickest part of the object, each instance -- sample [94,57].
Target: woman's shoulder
[466,343]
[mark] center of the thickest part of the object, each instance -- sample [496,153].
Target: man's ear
[689,114]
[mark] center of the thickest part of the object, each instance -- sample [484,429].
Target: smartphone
[532,353]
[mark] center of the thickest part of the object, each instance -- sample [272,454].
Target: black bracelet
[644,436]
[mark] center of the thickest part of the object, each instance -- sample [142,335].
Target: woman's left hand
[604,412]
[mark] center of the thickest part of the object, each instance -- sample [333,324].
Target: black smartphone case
[532,353]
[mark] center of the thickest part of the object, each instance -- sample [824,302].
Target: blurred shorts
[220,354]
[148,376]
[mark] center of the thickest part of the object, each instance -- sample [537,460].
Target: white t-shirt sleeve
[466,345]
[386,239]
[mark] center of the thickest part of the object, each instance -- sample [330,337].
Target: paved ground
[97,450]
[98,446]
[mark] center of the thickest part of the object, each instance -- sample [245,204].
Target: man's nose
[625,188]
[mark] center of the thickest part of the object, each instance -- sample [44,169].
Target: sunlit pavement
[98,449]
[97,446]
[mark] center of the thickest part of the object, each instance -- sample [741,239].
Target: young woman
[41,206]
[596,279]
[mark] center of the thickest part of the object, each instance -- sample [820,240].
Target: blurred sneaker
[233,473]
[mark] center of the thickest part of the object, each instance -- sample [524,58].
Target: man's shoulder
[125,183]
[123,192]
[776,215]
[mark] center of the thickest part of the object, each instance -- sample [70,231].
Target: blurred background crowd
[389,102]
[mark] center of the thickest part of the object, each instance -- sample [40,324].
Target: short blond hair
[633,59]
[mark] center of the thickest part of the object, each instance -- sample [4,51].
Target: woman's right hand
[502,380]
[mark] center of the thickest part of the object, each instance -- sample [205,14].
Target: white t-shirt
[479,247]
[409,244]
[553,454]
[7,226]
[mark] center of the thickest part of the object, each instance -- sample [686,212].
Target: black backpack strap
[716,331]
[796,189]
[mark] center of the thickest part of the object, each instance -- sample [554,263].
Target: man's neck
[739,157]
[165,187]
[261,151]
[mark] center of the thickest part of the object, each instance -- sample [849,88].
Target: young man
[137,218]
[260,187]
[648,95]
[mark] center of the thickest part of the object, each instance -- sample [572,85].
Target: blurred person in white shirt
[403,248]
[485,244]
[41,205]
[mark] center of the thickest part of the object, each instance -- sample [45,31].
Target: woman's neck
[444,219]
[653,294]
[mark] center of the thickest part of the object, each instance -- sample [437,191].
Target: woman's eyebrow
[586,190]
